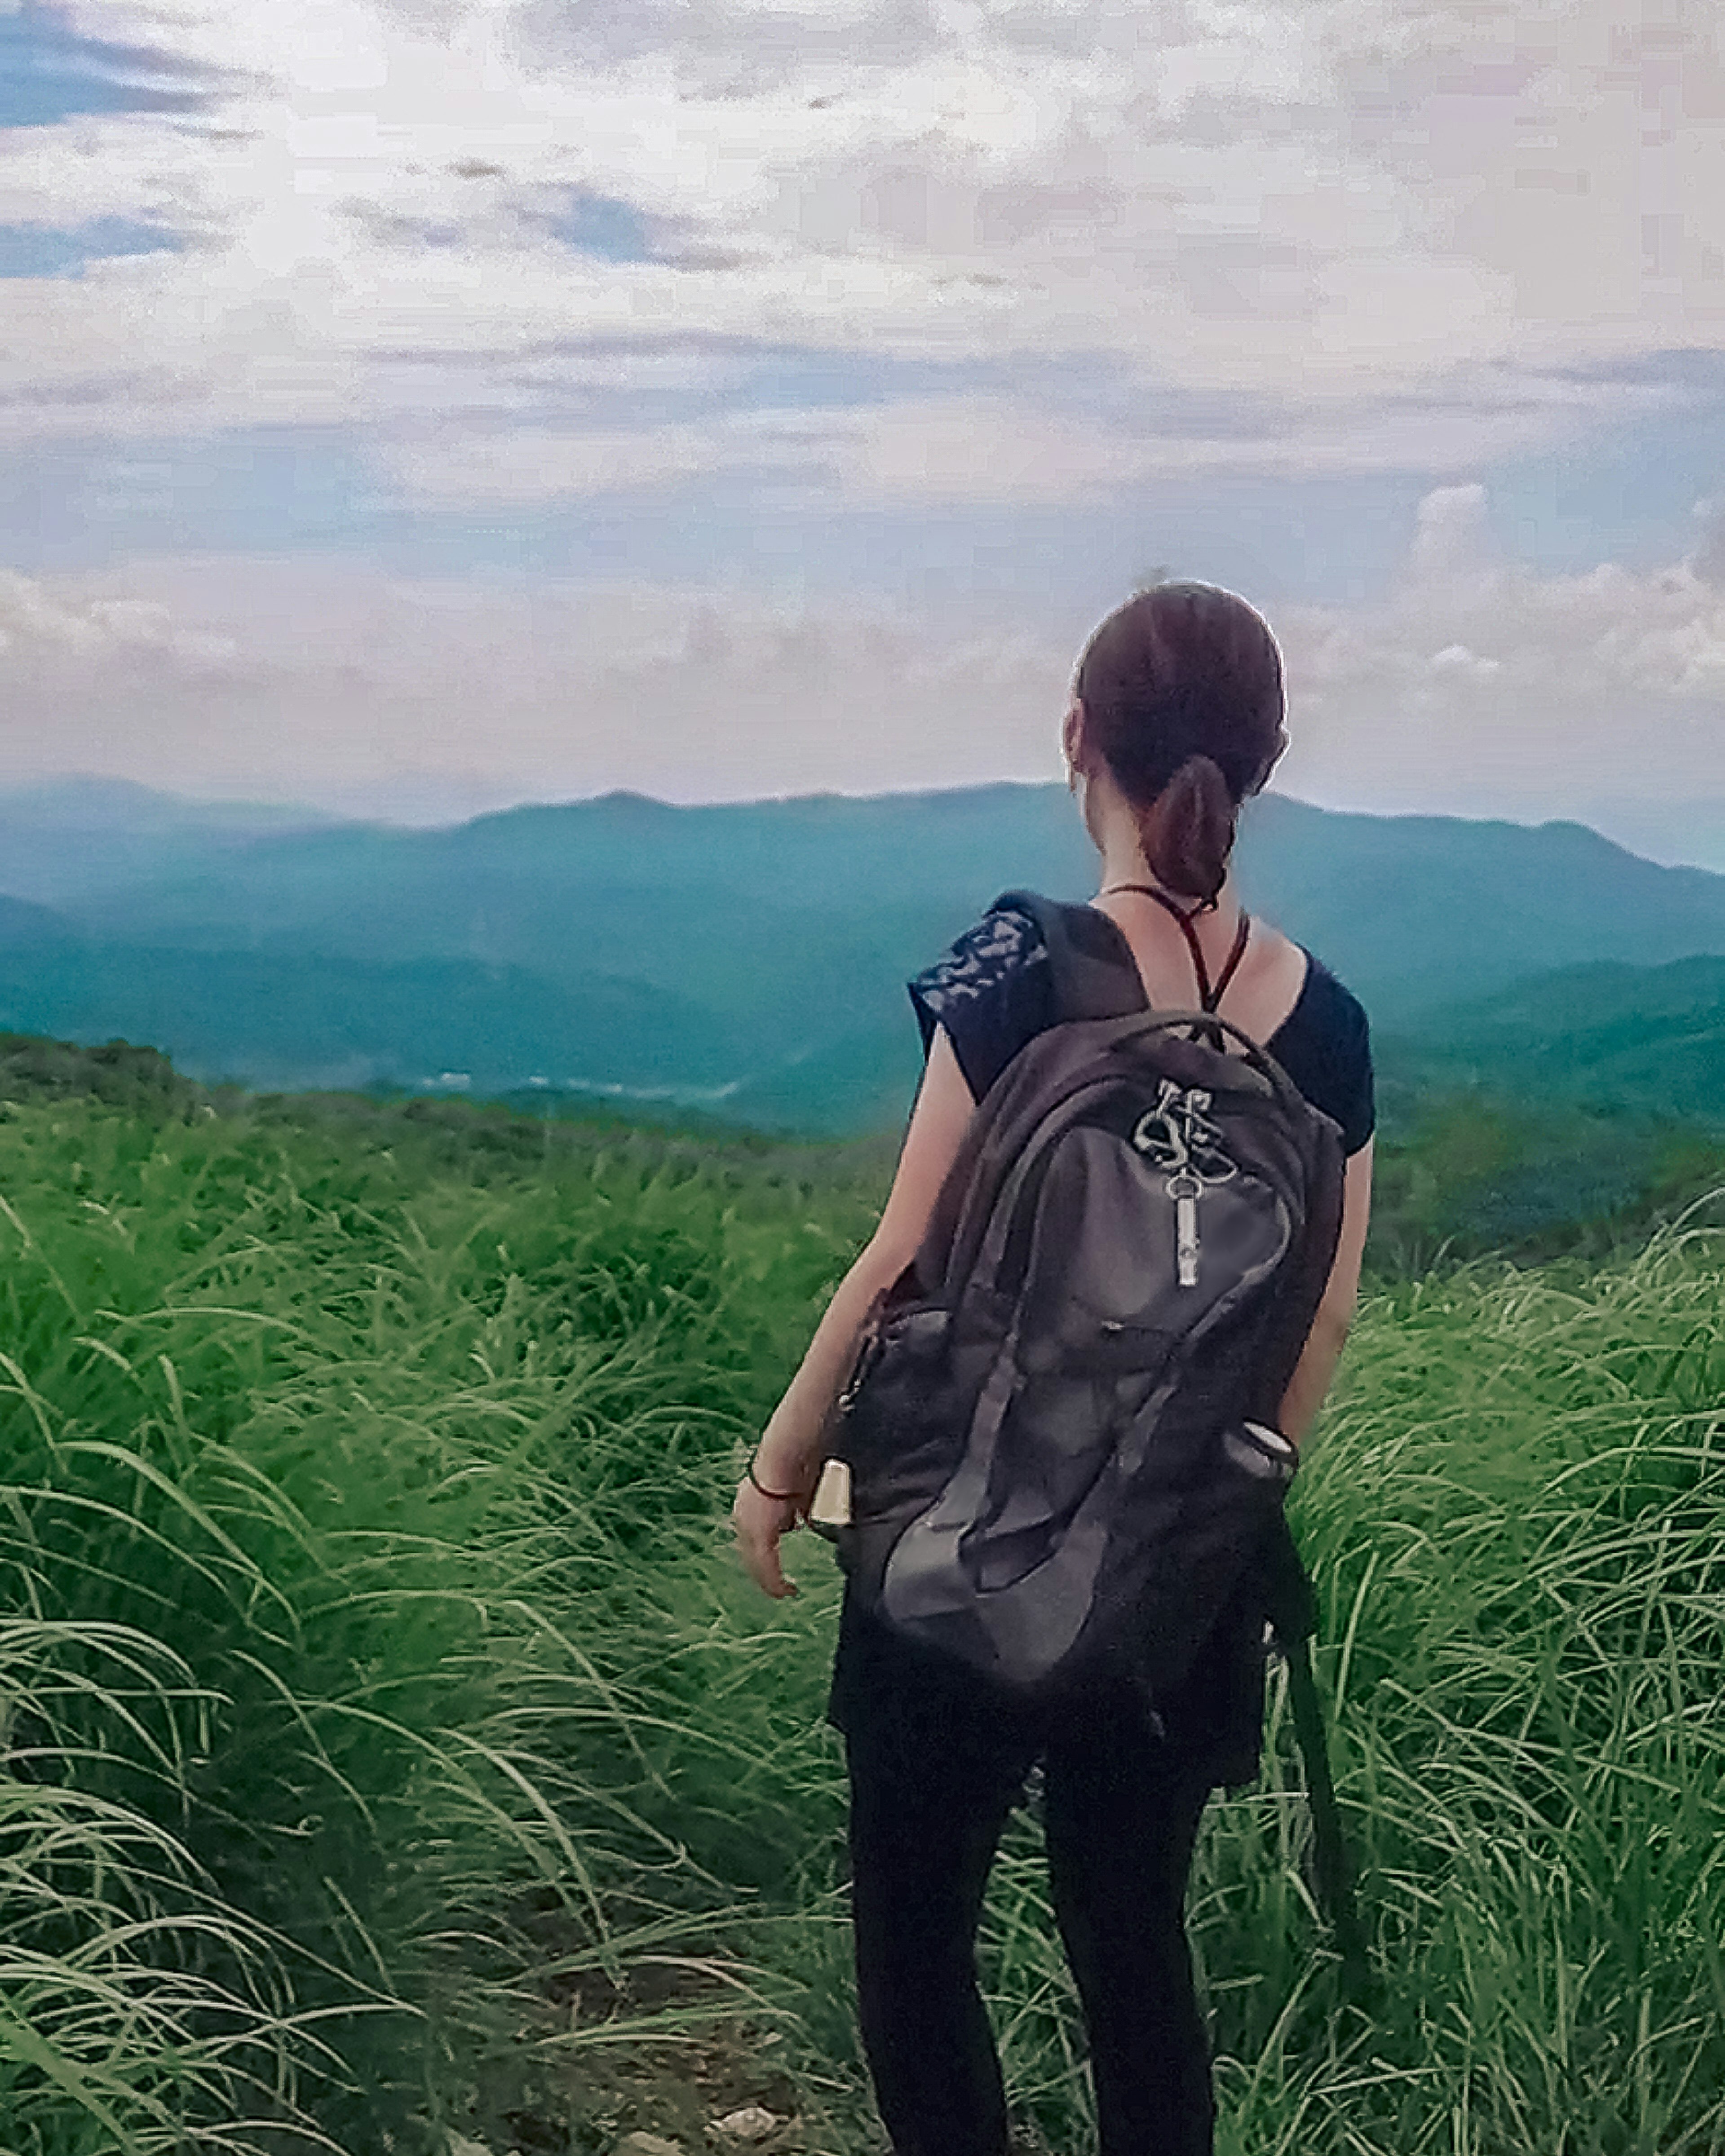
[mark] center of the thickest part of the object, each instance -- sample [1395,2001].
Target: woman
[1176,717]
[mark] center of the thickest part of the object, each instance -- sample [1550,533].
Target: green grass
[392,1747]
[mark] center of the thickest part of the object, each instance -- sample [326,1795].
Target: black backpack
[1059,1434]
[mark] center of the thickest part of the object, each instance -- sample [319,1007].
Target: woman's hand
[758,1520]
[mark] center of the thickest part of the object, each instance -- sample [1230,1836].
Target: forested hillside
[749,958]
[1625,1038]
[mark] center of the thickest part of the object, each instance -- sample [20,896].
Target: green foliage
[140,1078]
[391,1745]
[316,1687]
[1515,1517]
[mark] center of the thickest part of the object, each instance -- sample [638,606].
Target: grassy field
[392,1752]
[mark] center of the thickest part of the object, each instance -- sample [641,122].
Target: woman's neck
[1112,823]
[1124,869]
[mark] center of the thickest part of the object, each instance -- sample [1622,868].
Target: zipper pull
[1185,1189]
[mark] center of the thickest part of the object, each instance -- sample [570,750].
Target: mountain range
[749,958]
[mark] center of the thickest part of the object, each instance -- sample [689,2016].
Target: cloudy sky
[411,406]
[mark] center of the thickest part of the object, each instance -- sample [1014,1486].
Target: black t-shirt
[992,991]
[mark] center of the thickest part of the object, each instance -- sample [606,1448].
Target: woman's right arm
[787,1459]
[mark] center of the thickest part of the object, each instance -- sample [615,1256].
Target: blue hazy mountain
[25,926]
[68,839]
[750,956]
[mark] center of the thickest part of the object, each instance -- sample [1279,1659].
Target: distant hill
[1648,1039]
[23,925]
[1420,912]
[689,898]
[284,1021]
[751,955]
[68,839]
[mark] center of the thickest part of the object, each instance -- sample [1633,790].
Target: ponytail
[1188,830]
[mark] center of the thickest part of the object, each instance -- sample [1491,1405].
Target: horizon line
[23,790]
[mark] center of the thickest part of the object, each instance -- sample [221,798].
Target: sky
[411,407]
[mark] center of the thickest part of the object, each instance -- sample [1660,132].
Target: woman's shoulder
[1325,1046]
[1327,1003]
[990,989]
[1005,941]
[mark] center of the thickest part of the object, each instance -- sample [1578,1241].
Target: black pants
[930,1795]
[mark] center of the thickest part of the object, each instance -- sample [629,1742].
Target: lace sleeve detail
[991,992]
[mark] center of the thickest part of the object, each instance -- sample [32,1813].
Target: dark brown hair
[1183,698]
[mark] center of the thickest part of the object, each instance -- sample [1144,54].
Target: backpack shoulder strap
[1292,1610]
[1094,973]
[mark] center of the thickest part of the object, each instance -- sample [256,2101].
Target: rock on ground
[753,2122]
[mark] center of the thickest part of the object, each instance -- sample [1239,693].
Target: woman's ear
[1072,736]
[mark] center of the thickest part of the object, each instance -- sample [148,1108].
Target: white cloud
[524,468]
[1458,658]
[39,627]
[356,691]
[1449,533]
[1482,687]
[1310,200]
[1476,687]
[1709,556]
[982,447]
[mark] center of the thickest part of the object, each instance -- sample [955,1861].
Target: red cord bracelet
[778,1496]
